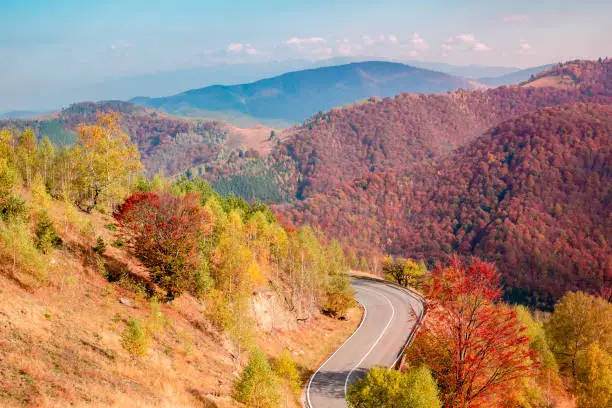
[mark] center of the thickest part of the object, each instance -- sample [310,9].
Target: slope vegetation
[166,143]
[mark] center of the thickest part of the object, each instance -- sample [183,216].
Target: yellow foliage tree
[594,378]
[106,163]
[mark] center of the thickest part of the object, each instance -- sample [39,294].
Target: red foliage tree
[475,347]
[165,231]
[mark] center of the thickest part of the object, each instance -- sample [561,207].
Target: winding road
[390,314]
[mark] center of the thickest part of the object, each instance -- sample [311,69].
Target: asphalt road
[390,314]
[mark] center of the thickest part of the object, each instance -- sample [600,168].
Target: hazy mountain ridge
[515,77]
[297,95]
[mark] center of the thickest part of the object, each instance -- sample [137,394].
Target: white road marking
[373,345]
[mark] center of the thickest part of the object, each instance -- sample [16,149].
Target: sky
[53,45]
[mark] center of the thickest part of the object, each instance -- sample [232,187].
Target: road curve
[390,314]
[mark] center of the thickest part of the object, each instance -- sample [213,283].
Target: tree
[475,347]
[257,385]
[166,232]
[105,162]
[386,388]
[578,321]
[285,369]
[339,297]
[594,377]
[404,272]
[26,155]
[393,270]
[45,155]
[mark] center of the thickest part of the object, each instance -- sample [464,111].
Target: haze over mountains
[166,83]
[295,96]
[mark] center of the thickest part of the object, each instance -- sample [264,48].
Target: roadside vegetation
[155,241]
[473,350]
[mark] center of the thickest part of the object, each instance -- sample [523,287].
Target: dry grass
[559,82]
[256,138]
[60,341]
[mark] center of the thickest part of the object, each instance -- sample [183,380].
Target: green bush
[339,297]
[100,247]
[136,339]
[285,368]
[257,385]
[385,388]
[46,237]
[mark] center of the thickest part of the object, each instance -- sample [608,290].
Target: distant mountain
[157,84]
[472,71]
[21,115]
[515,77]
[295,96]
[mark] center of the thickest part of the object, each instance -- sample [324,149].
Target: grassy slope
[60,334]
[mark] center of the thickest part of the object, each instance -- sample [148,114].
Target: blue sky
[62,43]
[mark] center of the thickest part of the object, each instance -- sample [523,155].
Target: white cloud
[238,48]
[380,39]
[346,47]
[301,42]
[516,18]
[480,47]
[235,47]
[418,42]
[466,42]
[525,49]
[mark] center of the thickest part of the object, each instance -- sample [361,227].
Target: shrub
[156,321]
[111,227]
[285,368]
[46,237]
[18,251]
[100,247]
[386,388]
[257,385]
[13,208]
[136,339]
[339,297]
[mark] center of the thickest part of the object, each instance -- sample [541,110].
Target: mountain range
[518,175]
[412,176]
[295,96]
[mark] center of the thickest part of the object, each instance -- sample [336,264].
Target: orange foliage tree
[475,347]
[166,231]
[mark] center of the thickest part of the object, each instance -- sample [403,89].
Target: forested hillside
[398,133]
[167,144]
[368,174]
